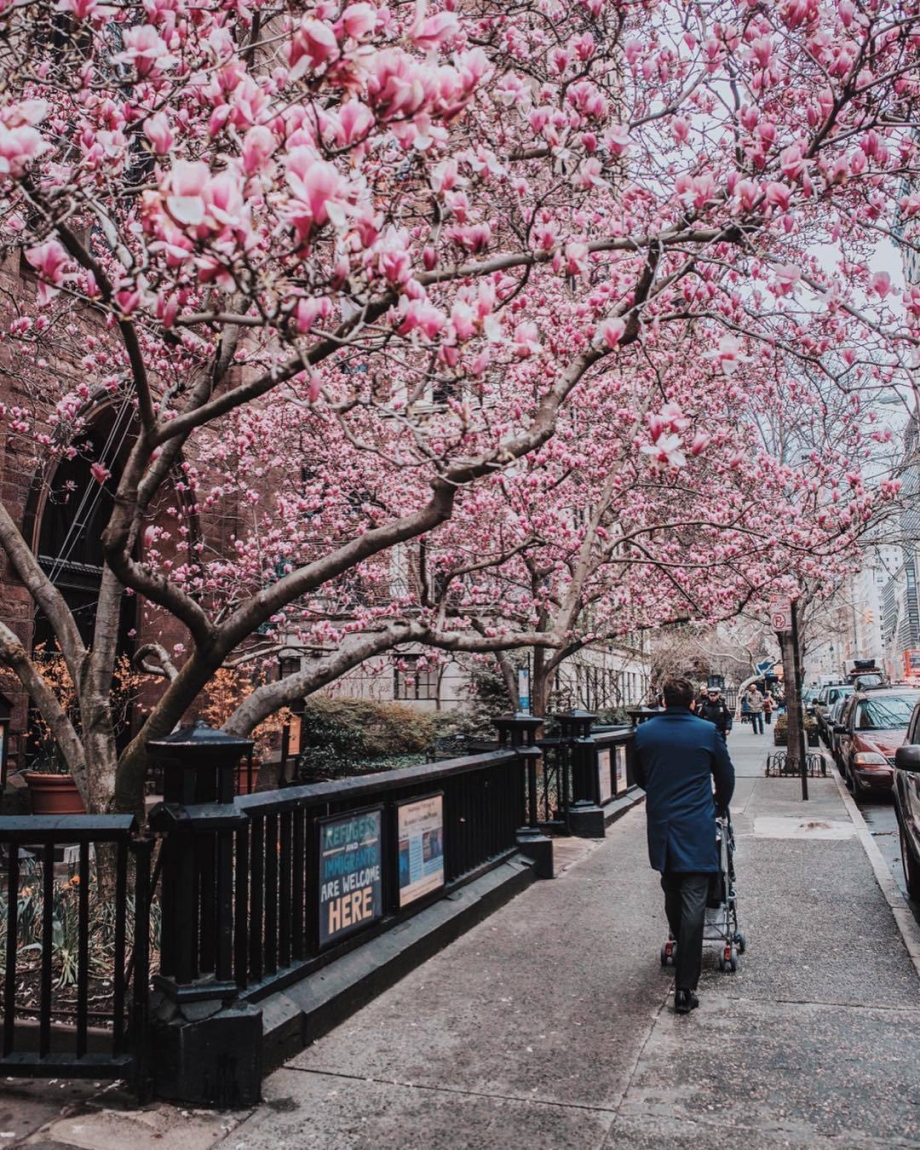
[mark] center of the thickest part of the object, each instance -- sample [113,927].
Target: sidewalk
[549,1026]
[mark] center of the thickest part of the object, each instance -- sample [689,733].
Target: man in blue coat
[677,758]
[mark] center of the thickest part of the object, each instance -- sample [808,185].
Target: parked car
[832,719]
[907,803]
[825,704]
[873,726]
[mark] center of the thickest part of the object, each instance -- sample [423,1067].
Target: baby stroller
[721,924]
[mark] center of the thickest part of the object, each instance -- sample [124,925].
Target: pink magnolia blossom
[881,283]
[358,20]
[526,340]
[51,262]
[146,50]
[312,46]
[160,134]
[20,142]
[665,451]
[610,331]
[308,311]
[320,194]
[730,354]
[424,317]
[258,145]
[433,31]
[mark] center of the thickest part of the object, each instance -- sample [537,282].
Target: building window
[410,681]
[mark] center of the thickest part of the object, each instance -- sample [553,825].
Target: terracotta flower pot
[53,794]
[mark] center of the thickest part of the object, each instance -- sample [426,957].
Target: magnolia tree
[631,518]
[346,264]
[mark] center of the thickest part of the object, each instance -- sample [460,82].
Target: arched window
[72,509]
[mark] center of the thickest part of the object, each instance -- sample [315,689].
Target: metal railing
[244,878]
[595,769]
[256,892]
[74,954]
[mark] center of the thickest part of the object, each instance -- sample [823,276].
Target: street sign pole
[524,691]
[797,665]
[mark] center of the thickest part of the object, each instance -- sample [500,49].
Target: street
[882,822]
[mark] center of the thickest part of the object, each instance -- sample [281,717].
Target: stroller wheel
[667,953]
[740,942]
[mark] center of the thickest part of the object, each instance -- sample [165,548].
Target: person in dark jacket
[678,755]
[715,710]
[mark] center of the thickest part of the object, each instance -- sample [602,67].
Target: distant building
[901,594]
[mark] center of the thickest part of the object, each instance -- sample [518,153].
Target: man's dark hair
[678,692]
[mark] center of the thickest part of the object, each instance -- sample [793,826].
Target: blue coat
[677,757]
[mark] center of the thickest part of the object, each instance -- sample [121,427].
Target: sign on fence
[620,753]
[604,775]
[350,873]
[420,831]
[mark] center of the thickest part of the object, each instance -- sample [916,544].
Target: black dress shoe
[685,1001]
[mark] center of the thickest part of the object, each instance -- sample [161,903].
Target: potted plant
[52,790]
[51,787]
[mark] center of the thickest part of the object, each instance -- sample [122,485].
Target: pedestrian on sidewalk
[677,757]
[714,710]
[768,706]
[755,708]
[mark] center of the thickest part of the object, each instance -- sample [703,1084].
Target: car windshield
[890,713]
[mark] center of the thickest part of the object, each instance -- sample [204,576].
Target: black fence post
[586,816]
[206,1044]
[142,850]
[519,732]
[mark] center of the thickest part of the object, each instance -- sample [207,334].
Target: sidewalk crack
[598,1108]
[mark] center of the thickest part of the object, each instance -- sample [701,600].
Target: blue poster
[350,873]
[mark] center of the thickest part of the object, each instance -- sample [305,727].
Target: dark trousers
[757,722]
[685,895]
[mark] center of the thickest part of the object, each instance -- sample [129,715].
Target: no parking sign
[781,614]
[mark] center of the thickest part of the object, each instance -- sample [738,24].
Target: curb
[897,903]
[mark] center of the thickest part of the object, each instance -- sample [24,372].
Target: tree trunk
[541,682]
[793,705]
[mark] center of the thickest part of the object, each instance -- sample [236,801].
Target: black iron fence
[254,892]
[580,766]
[74,952]
[269,886]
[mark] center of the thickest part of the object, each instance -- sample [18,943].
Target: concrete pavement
[550,1024]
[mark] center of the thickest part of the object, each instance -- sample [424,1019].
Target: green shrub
[343,737]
